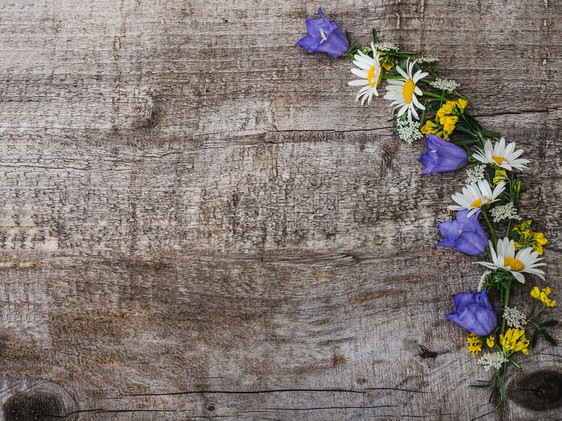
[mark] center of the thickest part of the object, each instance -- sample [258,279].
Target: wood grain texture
[198,222]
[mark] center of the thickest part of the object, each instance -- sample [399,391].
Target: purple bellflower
[465,234]
[324,36]
[474,313]
[442,155]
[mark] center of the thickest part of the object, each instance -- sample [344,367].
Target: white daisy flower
[370,73]
[402,92]
[504,257]
[503,156]
[476,195]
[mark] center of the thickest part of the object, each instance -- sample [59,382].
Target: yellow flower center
[499,159]
[514,263]
[408,90]
[476,204]
[371,76]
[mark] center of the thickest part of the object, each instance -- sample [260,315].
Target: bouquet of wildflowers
[428,106]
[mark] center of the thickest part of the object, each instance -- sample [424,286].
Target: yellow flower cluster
[474,343]
[528,238]
[514,340]
[446,119]
[500,175]
[385,61]
[543,296]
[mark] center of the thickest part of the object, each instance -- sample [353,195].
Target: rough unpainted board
[199,222]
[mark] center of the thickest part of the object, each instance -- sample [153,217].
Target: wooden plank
[198,222]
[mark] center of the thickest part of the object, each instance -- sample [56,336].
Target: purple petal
[442,155]
[324,36]
[468,223]
[450,229]
[307,43]
[324,18]
[471,243]
[336,45]
[313,27]
[474,313]
[463,299]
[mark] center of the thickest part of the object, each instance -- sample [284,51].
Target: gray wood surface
[198,222]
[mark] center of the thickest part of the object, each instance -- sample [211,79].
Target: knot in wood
[33,406]
[538,391]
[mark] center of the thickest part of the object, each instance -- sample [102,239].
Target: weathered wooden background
[197,221]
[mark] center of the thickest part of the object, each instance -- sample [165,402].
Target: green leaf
[549,323]
[422,119]
[462,129]
[491,134]
[483,383]
[461,142]
[534,338]
[374,35]
[549,338]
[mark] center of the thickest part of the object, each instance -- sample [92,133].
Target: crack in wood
[242,392]
[324,408]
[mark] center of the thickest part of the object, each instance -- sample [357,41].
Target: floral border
[507,246]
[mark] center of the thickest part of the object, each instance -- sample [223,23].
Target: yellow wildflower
[461,104]
[527,238]
[535,292]
[446,119]
[501,175]
[387,64]
[429,127]
[436,129]
[543,296]
[474,343]
[449,123]
[514,340]
[490,341]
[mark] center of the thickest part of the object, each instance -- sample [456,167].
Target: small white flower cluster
[506,211]
[494,360]
[475,174]
[427,60]
[385,46]
[514,318]
[408,130]
[445,84]
[483,280]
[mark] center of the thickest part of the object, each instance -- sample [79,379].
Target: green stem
[492,232]
[431,72]
[432,94]
[534,316]
[503,393]
[507,234]
[505,303]
[391,77]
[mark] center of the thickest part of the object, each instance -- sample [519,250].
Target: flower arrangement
[431,107]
